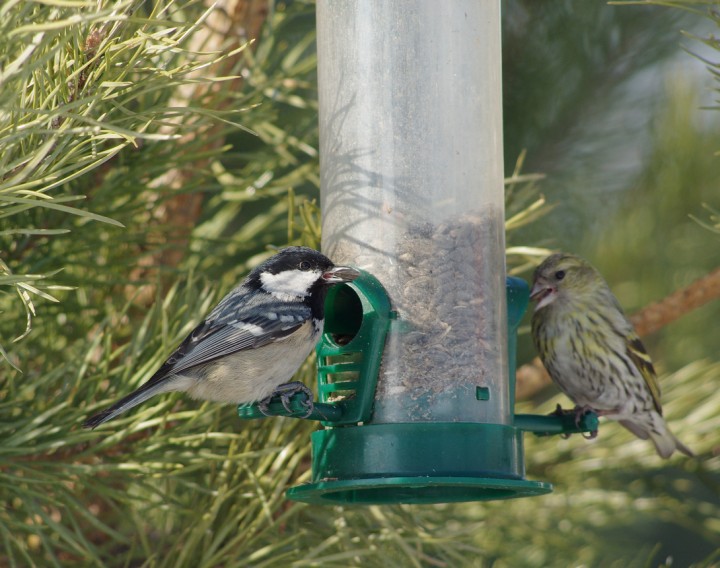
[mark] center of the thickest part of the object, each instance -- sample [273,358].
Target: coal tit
[254,340]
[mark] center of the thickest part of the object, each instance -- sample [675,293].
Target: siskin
[592,351]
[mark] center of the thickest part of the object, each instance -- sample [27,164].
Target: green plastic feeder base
[417,463]
[415,490]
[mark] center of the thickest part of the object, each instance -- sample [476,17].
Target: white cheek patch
[289,284]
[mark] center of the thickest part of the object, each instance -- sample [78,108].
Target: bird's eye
[560,274]
[304,265]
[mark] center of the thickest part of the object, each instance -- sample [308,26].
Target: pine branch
[532,377]
[83,90]
[228,25]
[178,483]
[659,314]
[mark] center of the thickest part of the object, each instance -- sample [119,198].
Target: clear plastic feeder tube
[412,191]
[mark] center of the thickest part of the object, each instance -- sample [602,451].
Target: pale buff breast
[251,375]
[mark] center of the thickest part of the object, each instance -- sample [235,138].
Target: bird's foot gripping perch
[579,413]
[286,391]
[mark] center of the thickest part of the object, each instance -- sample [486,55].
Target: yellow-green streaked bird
[592,352]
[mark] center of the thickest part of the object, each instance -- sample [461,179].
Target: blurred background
[159,117]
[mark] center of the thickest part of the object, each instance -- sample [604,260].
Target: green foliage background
[88,132]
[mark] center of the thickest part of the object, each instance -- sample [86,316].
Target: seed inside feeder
[446,296]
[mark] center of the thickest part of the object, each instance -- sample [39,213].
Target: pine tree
[150,157]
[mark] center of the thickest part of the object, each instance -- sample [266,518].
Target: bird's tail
[656,429]
[149,389]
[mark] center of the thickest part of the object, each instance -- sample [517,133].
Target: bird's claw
[579,413]
[558,411]
[286,391]
[264,405]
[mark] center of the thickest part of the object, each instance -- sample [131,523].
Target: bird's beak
[542,293]
[340,274]
[537,290]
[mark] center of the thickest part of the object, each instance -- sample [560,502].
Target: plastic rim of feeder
[420,463]
[416,491]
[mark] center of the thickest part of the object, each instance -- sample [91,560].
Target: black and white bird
[254,340]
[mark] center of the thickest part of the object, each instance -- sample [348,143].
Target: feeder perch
[417,360]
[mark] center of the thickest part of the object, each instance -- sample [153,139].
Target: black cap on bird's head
[292,258]
[297,272]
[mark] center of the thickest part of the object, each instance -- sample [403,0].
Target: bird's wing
[638,355]
[213,339]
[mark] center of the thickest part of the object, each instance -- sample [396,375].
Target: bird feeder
[416,365]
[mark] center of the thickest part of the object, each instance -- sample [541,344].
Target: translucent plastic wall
[412,191]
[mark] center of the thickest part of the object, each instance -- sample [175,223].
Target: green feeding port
[356,460]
